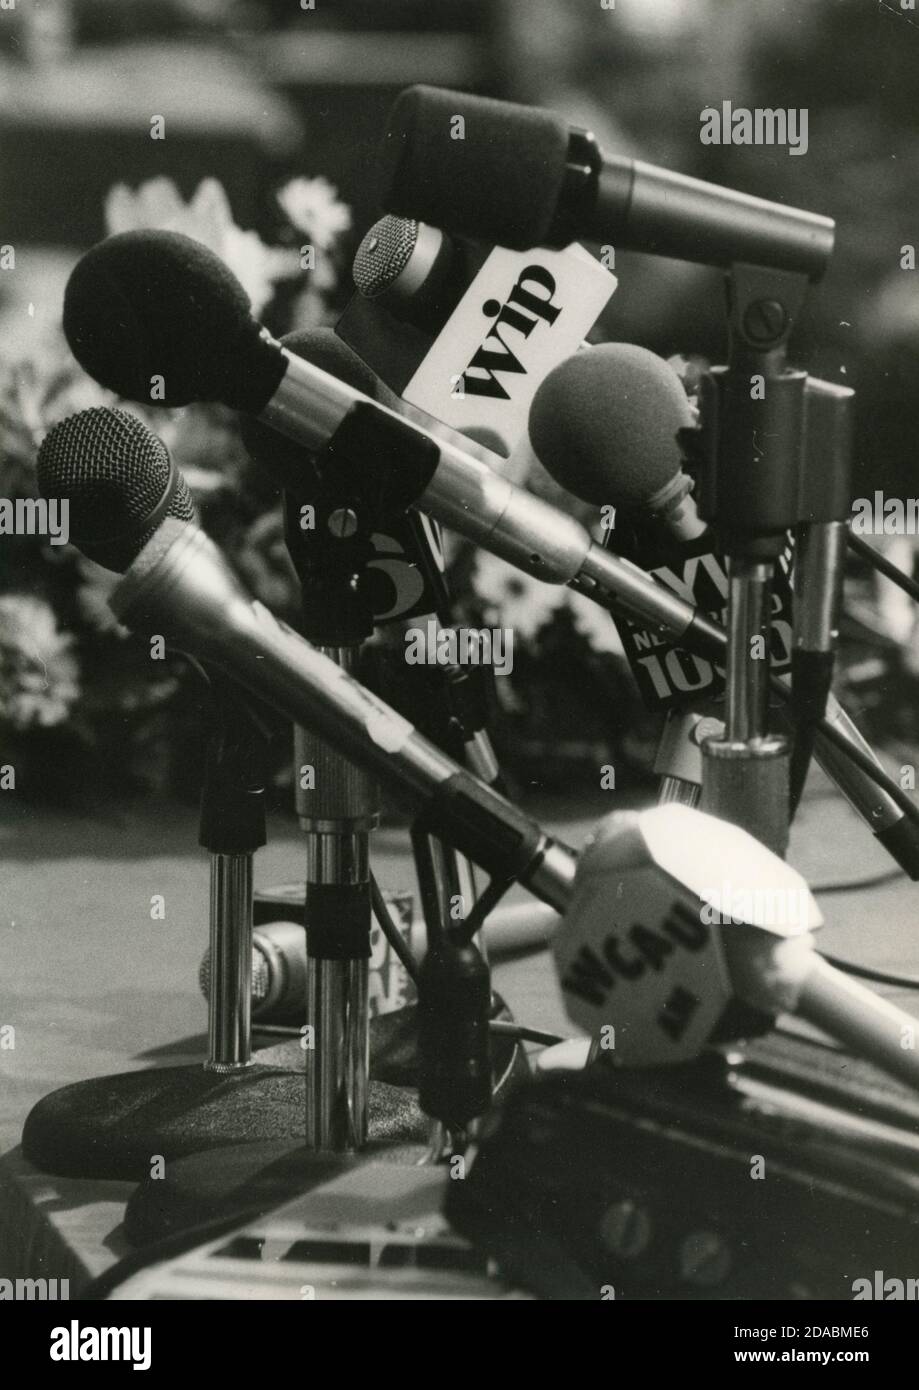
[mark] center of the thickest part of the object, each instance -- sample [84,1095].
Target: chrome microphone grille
[383,255]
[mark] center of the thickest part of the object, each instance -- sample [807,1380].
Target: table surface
[92,985]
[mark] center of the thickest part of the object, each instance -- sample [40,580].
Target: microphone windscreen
[158,318]
[498,177]
[604,424]
[280,456]
[114,473]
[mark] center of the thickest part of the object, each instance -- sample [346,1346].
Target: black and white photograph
[459,669]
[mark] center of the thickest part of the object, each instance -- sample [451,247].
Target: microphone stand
[109,1126]
[450,710]
[337,805]
[678,760]
[820,555]
[752,420]
[335,561]
[445,876]
[821,536]
[346,585]
[231,828]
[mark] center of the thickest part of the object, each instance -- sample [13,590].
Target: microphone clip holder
[752,422]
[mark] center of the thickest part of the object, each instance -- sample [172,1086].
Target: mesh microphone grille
[113,471]
[260,976]
[383,255]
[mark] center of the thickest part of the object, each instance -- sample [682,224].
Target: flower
[514,599]
[35,393]
[594,624]
[38,673]
[207,218]
[313,207]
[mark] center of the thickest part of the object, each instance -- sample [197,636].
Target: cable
[877,881]
[392,933]
[506,1029]
[883,566]
[431,906]
[811,681]
[862,760]
[865,972]
[486,902]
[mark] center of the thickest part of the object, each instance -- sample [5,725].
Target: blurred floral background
[76,695]
[273,111]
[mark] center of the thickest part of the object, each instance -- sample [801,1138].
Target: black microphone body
[521,177]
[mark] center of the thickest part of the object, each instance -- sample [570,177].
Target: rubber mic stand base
[116,1126]
[119,1126]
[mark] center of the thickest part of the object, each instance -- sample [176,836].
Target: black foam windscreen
[604,424]
[475,167]
[118,480]
[158,318]
[281,457]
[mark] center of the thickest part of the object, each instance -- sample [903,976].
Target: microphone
[610,425]
[279,974]
[279,957]
[677,918]
[605,425]
[119,479]
[519,315]
[282,457]
[126,320]
[121,484]
[414,271]
[522,177]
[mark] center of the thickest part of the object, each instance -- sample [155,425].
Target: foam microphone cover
[604,424]
[281,457]
[500,182]
[116,474]
[158,318]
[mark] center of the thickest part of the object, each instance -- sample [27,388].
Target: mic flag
[520,317]
[645,948]
[668,674]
